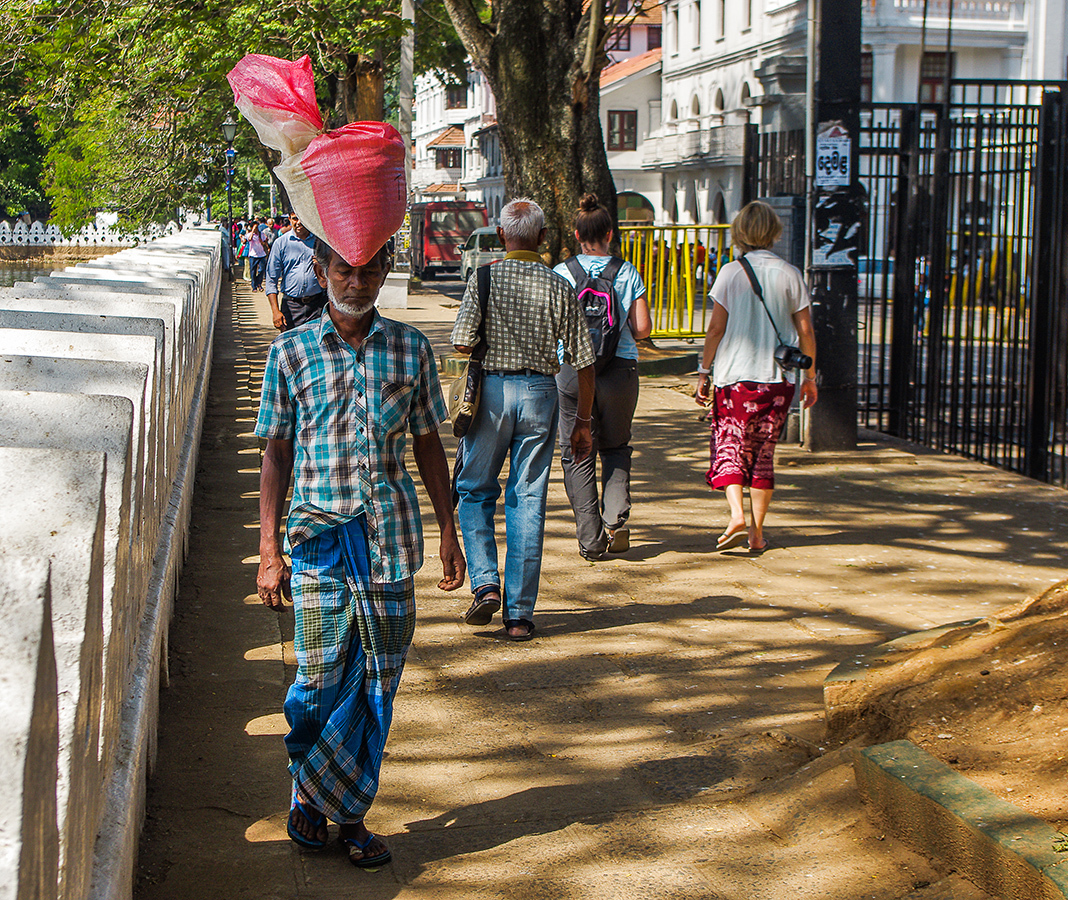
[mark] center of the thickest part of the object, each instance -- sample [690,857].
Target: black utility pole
[838,226]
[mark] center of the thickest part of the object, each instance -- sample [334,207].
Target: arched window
[719,210]
[695,107]
[674,111]
[717,102]
[745,94]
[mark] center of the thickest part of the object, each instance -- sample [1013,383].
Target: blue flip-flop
[366,862]
[314,817]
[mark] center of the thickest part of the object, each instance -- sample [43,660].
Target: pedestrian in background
[256,251]
[601,522]
[292,288]
[529,312]
[750,393]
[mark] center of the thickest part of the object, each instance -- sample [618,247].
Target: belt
[516,372]
[308,300]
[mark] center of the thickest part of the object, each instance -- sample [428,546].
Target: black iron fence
[963,294]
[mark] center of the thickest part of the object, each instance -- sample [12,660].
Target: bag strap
[482,273]
[760,294]
[609,272]
[576,270]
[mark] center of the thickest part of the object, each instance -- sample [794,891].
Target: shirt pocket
[394,403]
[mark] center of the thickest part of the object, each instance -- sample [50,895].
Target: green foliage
[127,95]
[21,159]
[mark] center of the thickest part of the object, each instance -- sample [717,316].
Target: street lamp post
[229,132]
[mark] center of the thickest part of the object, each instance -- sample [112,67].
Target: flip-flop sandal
[756,551]
[314,817]
[483,606]
[366,862]
[730,541]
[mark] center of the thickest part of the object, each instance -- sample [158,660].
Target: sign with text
[833,152]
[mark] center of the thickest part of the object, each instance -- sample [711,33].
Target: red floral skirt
[747,419]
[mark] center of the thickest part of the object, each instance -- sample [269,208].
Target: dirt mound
[989,698]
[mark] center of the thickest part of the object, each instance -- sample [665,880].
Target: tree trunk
[370,88]
[536,56]
[358,95]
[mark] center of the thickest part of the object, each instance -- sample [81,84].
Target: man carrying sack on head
[341,393]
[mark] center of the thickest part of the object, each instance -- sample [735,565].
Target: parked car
[483,246]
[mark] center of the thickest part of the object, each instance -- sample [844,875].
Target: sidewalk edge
[960,825]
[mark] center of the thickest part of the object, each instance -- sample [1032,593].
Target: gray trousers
[613,412]
[298,310]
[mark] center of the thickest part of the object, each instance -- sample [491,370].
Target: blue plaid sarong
[351,640]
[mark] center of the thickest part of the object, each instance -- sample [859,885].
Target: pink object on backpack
[346,185]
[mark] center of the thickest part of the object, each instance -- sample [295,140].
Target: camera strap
[760,295]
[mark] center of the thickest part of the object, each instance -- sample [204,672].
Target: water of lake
[15,270]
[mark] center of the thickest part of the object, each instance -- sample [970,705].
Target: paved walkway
[659,739]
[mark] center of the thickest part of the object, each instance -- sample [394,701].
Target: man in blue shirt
[292,288]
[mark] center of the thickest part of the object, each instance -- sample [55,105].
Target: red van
[439,231]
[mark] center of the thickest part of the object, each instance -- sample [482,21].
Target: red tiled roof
[630,66]
[442,189]
[450,137]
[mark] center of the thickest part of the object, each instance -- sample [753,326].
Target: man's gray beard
[347,308]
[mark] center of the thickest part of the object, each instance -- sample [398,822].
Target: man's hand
[581,441]
[272,581]
[809,393]
[277,318]
[434,470]
[453,565]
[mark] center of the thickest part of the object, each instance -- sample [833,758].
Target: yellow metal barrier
[678,264]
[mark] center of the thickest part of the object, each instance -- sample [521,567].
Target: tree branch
[471,30]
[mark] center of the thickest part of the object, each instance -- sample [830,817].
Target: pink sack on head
[347,185]
[278,97]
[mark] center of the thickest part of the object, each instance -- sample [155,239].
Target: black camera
[791,357]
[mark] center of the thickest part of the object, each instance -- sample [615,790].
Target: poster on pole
[834,150]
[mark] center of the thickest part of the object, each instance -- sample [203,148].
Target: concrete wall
[103,376]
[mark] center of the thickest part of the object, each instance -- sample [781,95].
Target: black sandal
[484,606]
[519,637]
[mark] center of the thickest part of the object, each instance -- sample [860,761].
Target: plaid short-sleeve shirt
[530,311]
[348,413]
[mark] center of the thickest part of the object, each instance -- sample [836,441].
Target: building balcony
[719,144]
[968,14]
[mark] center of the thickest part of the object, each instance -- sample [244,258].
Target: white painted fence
[103,376]
[37,234]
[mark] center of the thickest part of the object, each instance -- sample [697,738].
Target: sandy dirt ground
[663,737]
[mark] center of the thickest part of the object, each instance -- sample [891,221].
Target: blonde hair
[756,227]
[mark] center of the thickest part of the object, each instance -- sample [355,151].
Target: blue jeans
[516,418]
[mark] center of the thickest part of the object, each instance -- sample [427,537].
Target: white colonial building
[688,76]
[728,63]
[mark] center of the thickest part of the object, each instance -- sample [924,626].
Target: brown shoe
[618,540]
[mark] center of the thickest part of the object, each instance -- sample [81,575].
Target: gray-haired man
[530,311]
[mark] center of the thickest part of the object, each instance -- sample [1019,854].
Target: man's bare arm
[434,470]
[272,580]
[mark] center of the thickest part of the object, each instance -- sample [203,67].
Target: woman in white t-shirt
[752,394]
[601,521]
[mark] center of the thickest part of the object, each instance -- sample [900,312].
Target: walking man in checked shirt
[340,394]
[530,310]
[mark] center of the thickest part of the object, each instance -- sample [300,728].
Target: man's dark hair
[324,253]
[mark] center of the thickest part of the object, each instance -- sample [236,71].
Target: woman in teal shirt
[601,521]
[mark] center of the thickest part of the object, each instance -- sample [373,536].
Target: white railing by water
[38,234]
